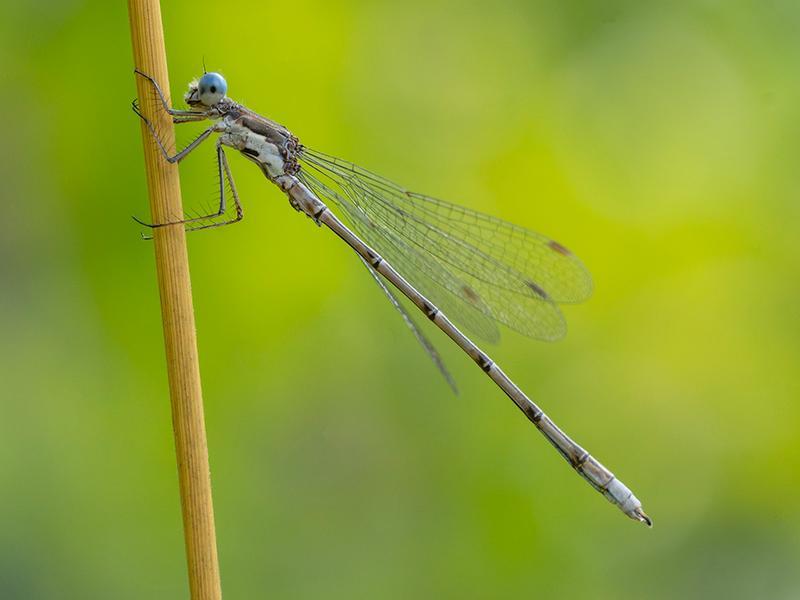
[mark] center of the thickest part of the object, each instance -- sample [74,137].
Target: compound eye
[211,88]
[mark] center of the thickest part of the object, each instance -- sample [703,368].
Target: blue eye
[211,88]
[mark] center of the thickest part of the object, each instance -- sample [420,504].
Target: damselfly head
[208,91]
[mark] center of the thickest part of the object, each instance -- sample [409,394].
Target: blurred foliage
[658,140]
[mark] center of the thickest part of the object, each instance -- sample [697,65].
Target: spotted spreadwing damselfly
[456,265]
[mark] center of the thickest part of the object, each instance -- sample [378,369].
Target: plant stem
[177,312]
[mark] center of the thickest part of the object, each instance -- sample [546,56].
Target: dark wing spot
[537,289]
[470,294]
[558,248]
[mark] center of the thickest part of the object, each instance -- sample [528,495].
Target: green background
[658,140]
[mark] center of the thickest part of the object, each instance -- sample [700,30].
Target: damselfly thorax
[461,268]
[270,145]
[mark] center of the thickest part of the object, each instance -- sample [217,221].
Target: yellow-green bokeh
[660,141]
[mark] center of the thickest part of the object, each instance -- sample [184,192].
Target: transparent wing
[430,277]
[525,254]
[426,344]
[505,272]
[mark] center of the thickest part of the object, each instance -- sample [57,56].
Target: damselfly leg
[178,117]
[224,174]
[165,103]
[223,169]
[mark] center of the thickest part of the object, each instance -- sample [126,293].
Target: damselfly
[449,261]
